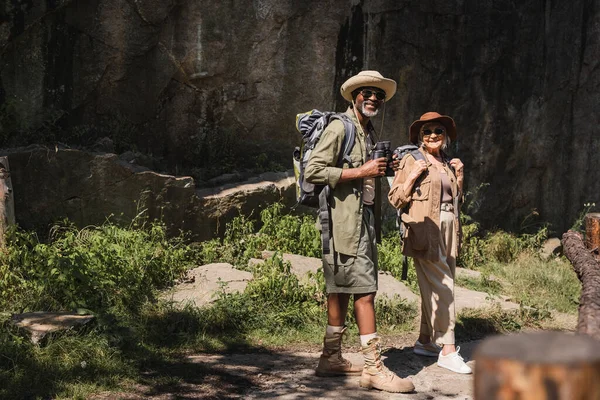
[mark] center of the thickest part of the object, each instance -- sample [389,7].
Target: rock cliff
[206,87]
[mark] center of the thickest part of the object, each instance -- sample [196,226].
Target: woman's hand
[458,168]
[418,167]
[395,164]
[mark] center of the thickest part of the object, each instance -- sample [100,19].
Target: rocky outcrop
[206,283]
[51,184]
[200,86]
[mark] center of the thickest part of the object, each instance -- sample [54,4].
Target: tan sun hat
[368,78]
[413,132]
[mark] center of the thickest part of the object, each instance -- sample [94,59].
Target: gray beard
[366,113]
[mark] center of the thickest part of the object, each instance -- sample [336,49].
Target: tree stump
[592,233]
[7,208]
[588,271]
[538,366]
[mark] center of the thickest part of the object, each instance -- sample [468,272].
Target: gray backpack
[311,125]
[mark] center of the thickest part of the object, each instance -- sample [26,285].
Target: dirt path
[290,375]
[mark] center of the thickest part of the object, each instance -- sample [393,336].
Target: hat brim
[358,81]
[445,120]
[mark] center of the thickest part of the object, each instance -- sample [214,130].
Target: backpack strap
[325,219]
[349,138]
[417,155]
[324,207]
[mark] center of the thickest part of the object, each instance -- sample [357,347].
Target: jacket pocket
[421,190]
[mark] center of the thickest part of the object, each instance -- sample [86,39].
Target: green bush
[278,232]
[275,303]
[95,267]
[286,301]
[499,246]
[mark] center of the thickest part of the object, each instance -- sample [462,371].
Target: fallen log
[538,366]
[588,271]
[592,233]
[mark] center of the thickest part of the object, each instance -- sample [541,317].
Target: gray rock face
[203,86]
[50,184]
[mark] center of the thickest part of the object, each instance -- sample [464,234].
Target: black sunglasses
[367,93]
[437,131]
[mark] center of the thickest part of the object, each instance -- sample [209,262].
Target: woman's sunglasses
[367,93]
[437,131]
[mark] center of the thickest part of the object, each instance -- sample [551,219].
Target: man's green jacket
[346,197]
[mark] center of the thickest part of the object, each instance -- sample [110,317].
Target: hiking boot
[454,362]
[331,362]
[428,349]
[375,375]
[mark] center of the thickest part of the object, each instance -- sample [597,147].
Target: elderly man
[350,267]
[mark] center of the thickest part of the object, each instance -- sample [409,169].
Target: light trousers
[436,283]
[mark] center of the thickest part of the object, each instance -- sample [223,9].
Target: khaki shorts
[356,275]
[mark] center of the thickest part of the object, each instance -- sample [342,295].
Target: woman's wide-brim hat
[415,127]
[368,79]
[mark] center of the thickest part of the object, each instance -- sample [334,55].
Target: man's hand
[373,168]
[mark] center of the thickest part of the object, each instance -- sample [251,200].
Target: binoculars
[383,149]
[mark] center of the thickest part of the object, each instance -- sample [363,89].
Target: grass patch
[519,272]
[476,323]
[541,284]
[70,365]
[484,283]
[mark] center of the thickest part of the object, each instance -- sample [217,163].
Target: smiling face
[369,106]
[433,135]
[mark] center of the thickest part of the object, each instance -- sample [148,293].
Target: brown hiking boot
[376,375]
[331,362]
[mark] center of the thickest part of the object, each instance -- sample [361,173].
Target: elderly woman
[429,186]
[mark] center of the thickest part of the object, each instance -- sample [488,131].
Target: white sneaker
[454,362]
[428,349]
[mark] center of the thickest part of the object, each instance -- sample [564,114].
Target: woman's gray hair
[445,145]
